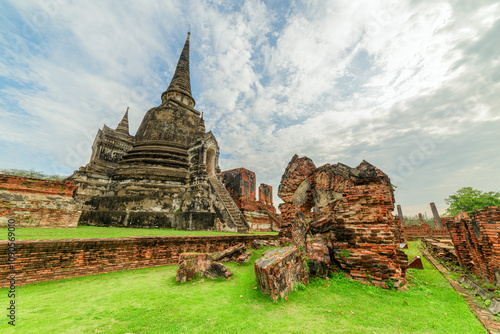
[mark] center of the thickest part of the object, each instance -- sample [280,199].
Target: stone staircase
[231,208]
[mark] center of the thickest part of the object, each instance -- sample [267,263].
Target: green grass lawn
[150,301]
[25,233]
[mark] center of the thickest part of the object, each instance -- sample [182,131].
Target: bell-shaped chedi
[162,141]
[169,176]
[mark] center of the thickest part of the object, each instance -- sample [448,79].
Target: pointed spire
[123,126]
[180,86]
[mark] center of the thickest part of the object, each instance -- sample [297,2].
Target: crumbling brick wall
[266,194]
[349,210]
[48,260]
[423,231]
[37,203]
[260,215]
[476,242]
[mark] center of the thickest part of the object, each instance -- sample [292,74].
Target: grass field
[150,301]
[104,232]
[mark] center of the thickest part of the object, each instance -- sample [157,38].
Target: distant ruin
[338,218]
[166,176]
[260,214]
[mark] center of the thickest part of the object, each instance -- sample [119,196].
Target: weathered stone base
[280,271]
[230,254]
[191,264]
[202,265]
[150,219]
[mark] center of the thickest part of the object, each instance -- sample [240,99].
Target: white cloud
[333,80]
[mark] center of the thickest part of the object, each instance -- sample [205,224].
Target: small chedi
[336,218]
[166,176]
[260,214]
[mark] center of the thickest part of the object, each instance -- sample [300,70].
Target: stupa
[166,176]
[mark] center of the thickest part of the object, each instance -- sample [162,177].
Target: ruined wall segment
[349,212]
[48,260]
[476,242]
[260,215]
[37,203]
[240,183]
[266,194]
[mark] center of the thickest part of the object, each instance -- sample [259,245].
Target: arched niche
[211,163]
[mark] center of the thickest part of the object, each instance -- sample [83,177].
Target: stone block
[279,271]
[230,254]
[191,264]
[318,258]
[485,294]
[217,269]
[494,306]
[264,243]
[244,258]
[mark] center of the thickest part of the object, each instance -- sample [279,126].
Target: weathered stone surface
[166,176]
[416,263]
[442,249]
[437,219]
[264,243]
[244,258]
[318,257]
[484,294]
[191,264]
[352,209]
[423,231]
[495,306]
[260,215]
[230,254]
[37,203]
[279,271]
[476,240]
[216,270]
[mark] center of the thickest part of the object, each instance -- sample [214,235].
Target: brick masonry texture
[423,231]
[345,214]
[260,214]
[280,271]
[476,242]
[37,203]
[47,260]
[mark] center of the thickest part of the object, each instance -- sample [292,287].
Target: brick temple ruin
[260,214]
[37,203]
[423,230]
[166,176]
[339,218]
[477,243]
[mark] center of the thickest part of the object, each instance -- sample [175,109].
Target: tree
[469,199]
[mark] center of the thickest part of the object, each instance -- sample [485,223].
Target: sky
[410,86]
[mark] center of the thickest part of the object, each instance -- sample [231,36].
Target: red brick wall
[240,183]
[26,185]
[423,231]
[37,203]
[47,260]
[261,214]
[351,210]
[266,194]
[476,241]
